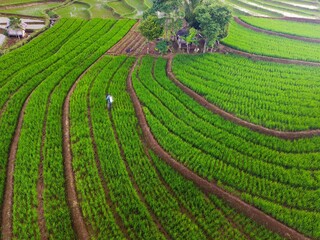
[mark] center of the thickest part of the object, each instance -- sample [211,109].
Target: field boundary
[230,117]
[226,49]
[6,224]
[257,29]
[208,187]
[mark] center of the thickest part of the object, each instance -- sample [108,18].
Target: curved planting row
[118,183]
[20,60]
[253,166]
[38,164]
[273,95]
[131,44]
[250,41]
[309,31]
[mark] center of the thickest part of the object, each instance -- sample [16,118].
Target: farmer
[109,101]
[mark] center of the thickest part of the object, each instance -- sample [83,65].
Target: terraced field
[73,169]
[303,29]
[274,175]
[276,8]
[273,95]
[37,87]
[208,146]
[250,41]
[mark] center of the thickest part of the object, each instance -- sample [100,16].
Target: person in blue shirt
[109,99]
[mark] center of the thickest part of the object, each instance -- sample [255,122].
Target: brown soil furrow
[123,41]
[137,47]
[131,41]
[230,117]
[134,183]
[246,25]
[183,209]
[6,225]
[210,188]
[131,176]
[32,4]
[294,19]
[123,45]
[5,105]
[112,205]
[226,49]
[40,183]
[170,190]
[77,218]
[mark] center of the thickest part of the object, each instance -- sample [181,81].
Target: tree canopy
[213,21]
[150,28]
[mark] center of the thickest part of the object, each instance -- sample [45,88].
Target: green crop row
[224,219]
[209,151]
[286,8]
[90,95]
[35,53]
[305,29]
[25,86]
[28,155]
[160,201]
[273,95]
[91,195]
[54,61]
[269,45]
[218,150]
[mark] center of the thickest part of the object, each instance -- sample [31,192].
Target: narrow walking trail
[6,224]
[106,189]
[246,25]
[230,117]
[225,49]
[78,223]
[205,185]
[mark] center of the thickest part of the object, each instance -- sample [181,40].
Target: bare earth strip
[225,49]
[246,25]
[40,183]
[230,117]
[294,19]
[133,40]
[134,183]
[6,225]
[31,4]
[106,189]
[208,187]
[78,223]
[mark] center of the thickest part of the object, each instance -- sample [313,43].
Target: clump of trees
[208,20]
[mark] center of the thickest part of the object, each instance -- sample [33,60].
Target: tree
[213,22]
[151,29]
[171,13]
[191,38]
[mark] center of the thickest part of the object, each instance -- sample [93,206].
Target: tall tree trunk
[212,46]
[188,48]
[205,46]
[148,46]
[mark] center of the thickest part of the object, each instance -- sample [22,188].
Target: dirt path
[32,4]
[106,189]
[225,49]
[132,179]
[246,25]
[230,220]
[40,183]
[206,186]
[293,19]
[133,40]
[6,224]
[78,223]
[230,117]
